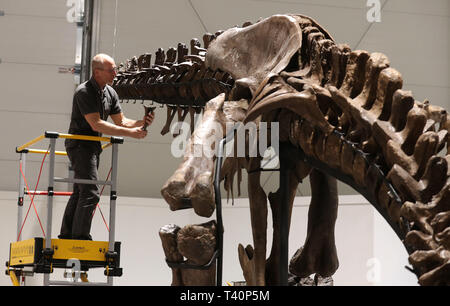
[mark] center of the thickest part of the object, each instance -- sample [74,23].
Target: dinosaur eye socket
[240,91]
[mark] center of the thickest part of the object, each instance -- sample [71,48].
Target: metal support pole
[218,199]
[21,193]
[51,175]
[284,214]
[86,25]
[112,205]
[71,176]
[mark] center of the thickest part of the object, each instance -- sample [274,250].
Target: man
[93,102]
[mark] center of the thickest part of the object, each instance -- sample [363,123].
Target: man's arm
[120,120]
[105,127]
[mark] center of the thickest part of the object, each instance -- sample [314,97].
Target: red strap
[32,198]
[98,204]
[55,193]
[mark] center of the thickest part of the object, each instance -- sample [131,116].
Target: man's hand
[137,132]
[122,126]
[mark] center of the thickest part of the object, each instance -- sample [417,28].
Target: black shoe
[88,237]
[61,236]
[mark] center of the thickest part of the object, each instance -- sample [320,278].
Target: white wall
[36,40]
[358,239]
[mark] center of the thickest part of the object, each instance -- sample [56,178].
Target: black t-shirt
[89,98]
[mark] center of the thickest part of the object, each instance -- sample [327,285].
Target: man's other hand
[137,132]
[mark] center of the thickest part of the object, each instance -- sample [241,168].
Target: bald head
[103,69]
[100,59]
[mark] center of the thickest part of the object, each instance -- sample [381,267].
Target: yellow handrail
[30,143]
[46,152]
[68,136]
[106,145]
[85,137]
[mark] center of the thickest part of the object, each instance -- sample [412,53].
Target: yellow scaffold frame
[24,147]
[44,254]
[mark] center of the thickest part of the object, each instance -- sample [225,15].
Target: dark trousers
[76,223]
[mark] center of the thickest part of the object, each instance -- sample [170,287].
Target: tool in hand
[148,110]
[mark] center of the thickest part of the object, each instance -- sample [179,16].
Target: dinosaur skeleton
[342,112]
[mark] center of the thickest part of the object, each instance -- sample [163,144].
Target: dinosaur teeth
[339,58]
[390,80]
[171,56]
[145,61]
[375,64]
[355,73]
[182,51]
[160,57]
[207,39]
[132,64]
[402,103]
[196,48]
